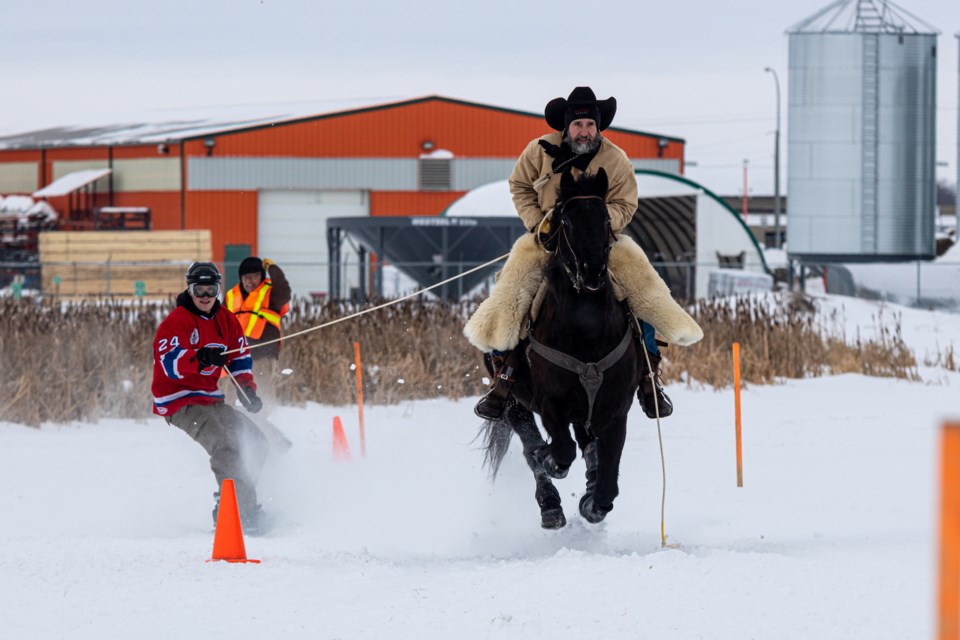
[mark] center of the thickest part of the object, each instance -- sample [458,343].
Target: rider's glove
[212,356]
[250,400]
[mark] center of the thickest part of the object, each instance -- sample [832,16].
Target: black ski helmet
[203,273]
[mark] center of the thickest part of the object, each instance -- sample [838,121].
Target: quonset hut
[698,244]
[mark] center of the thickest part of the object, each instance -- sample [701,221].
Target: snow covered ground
[105,528]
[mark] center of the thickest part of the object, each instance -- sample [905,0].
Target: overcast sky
[689,69]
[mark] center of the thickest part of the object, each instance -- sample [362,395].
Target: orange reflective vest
[253,312]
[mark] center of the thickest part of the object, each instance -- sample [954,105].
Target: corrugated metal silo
[861,145]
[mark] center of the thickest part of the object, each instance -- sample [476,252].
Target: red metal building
[269,182]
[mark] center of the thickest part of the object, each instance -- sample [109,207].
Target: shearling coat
[498,323]
[534,185]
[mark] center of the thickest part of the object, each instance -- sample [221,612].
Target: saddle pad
[618,291]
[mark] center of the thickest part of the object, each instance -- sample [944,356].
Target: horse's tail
[496,436]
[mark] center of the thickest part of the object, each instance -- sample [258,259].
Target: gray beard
[581,148]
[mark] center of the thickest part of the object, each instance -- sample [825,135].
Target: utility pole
[744,207]
[776,168]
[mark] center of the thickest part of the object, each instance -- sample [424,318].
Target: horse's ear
[601,183]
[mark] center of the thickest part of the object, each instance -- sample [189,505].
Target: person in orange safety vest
[259,301]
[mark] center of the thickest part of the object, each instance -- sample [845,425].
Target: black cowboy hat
[582,103]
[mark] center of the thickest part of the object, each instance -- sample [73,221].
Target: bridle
[590,373]
[576,278]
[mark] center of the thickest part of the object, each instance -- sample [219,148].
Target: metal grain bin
[861,145]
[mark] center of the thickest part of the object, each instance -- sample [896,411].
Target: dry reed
[85,361]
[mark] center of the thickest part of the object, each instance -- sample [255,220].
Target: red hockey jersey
[178,379]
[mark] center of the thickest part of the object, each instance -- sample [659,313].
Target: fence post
[918,283]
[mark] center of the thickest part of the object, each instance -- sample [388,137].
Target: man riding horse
[499,324]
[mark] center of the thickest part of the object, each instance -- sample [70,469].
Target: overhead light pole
[776,167]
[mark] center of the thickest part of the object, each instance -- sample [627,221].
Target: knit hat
[582,103]
[252,264]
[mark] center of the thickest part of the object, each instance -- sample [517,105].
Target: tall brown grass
[85,361]
[784,337]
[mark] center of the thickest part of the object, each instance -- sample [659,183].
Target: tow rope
[376,308]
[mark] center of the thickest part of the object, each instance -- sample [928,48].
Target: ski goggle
[204,290]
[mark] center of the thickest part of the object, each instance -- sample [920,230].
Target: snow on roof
[15,204]
[69,183]
[492,199]
[24,210]
[439,154]
[173,125]
[169,125]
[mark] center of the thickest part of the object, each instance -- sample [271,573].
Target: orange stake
[363,438]
[948,614]
[736,403]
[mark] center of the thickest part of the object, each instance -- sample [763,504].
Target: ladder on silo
[868,159]
[869,18]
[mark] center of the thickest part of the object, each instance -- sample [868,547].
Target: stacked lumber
[83,264]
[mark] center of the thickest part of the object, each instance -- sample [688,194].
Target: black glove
[551,150]
[250,400]
[562,155]
[212,356]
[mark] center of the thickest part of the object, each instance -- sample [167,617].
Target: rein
[575,278]
[591,373]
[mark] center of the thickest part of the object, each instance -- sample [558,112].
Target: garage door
[292,231]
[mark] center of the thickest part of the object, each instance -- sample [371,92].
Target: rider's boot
[650,386]
[501,366]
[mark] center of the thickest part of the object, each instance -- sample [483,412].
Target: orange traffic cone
[228,538]
[341,450]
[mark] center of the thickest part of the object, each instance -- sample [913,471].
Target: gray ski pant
[237,448]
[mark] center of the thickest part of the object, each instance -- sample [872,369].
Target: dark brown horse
[582,364]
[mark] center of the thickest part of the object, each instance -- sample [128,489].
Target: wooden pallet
[101,263]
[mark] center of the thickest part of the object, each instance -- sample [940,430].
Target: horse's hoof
[590,511]
[547,462]
[553,519]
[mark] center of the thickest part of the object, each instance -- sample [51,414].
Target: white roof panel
[69,183]
[172,125]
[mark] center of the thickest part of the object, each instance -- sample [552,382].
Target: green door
[233,255]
